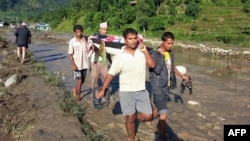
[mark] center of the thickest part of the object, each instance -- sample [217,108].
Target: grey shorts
[160,102]
[132,102]
[80,74]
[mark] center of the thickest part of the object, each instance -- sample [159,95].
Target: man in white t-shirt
[131,64]
[78,50]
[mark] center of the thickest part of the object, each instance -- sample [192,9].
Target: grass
[52,79]
[70,107]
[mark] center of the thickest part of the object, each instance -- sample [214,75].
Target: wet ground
[220,86]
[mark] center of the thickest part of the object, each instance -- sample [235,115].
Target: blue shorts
[132,102]
[80,74]
[160,101]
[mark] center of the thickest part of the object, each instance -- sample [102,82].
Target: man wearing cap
[23,38]
[99,65]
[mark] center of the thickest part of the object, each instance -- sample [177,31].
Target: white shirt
[79,51]
[132,69]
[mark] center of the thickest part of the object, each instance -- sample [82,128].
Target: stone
[193,103]
[11,80]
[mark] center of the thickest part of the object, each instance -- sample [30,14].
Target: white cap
[104,25]
[23,23]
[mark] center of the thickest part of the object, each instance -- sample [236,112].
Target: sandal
[105,100]
[96,102]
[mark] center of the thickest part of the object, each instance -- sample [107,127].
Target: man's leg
[130,126]
[18,52]
[78,89]
[23,54]
[162,126]
[160,102]
[103,71]
[94,75]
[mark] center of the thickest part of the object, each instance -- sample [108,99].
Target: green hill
[28,10]
[226,21]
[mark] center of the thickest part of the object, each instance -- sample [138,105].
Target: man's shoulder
[72,40]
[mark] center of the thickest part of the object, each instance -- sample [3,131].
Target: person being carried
[23,39]
[78,57]
[131,64]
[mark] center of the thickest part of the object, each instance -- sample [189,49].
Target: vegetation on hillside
[28,10]
[226,21]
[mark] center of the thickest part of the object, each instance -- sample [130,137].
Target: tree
[157,23]
[143,22]
[246,7]
[172,10]
[193,9]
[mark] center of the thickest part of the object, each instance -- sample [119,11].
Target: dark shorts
[80,74]
[21,45]
[160,102]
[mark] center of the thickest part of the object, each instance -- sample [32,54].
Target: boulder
[11,80]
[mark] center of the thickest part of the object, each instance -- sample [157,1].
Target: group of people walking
[130,63]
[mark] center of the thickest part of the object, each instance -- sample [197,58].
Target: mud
[220,86]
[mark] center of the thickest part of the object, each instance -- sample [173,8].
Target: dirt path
[222,100]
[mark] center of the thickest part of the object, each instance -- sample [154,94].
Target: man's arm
[182,76]
[112,51]
[158,63]
[72,62]
[149,59]
[106,83]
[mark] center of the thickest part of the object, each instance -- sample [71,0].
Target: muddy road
[220,88]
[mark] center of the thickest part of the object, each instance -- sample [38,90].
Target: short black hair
[167,35]
[77,27]
[129,31]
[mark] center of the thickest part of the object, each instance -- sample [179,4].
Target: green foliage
[215,20]
[172,11]
[246,6]
[143,22]
[194,27]
[247,30]
[157,23]
[193,9]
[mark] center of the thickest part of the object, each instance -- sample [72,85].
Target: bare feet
[76,97]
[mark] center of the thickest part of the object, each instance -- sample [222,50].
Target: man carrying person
[100,61]
[131,64]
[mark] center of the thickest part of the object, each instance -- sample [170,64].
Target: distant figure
[78,57]
[23,38]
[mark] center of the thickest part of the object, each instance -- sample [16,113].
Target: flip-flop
[105,100]
[96,102]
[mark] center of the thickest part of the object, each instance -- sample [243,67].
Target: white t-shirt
[132,70]
[79,51]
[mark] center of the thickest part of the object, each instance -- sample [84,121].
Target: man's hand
[142,47]
[185,77]
[74,67]
[100,93]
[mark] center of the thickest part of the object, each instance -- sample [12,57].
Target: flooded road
[220,86]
